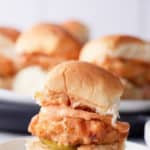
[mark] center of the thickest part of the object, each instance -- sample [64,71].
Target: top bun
[122,46]
[8,37]
[77,29]
[9,33]
[49,39]
[85,83]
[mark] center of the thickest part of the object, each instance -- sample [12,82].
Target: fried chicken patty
[39,59]
[137,72]
[7,67]
[76,127]
[135,75]
[135,92]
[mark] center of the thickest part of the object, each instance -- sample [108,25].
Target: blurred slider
[8,37]
[39,49]
[126,56]
[78,29]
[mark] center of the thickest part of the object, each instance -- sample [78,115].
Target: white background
[103,16]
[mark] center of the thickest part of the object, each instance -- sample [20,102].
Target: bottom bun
[36,144]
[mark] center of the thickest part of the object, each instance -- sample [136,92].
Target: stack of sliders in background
[79,108]
[127,57]
[8,37]
[40,48]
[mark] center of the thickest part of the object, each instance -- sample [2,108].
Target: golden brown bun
[124,46]
[125,56]
[37,59]
[10,33]
[77,29]
[134,92]
[114,41]
[36,144]
[86,83]
[49,39]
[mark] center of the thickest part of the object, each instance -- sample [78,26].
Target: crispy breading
[137,72]
[7,67]
[39,59]
[75,129]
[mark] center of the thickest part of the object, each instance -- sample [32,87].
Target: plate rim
[24,138]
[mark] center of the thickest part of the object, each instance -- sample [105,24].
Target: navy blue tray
[15,116]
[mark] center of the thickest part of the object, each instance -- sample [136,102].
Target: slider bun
[9,33]
[29,80]
[49,39]
[36,144]
[8,38]
[86,83]
[77,29]
[124,46]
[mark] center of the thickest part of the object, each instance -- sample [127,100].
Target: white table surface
[4,136]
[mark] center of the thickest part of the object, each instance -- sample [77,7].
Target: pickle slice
[54,146]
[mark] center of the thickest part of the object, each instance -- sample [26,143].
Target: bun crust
[92,85]
[10,33]
[77,29]
[115,46]
[114,41]
[49,39]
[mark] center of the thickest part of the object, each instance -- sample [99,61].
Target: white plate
[19,144]
[147,133]
[134,105]
[14,97]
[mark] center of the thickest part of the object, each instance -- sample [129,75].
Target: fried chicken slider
[39,49]
[79,108]
[8,37]
[126,56]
